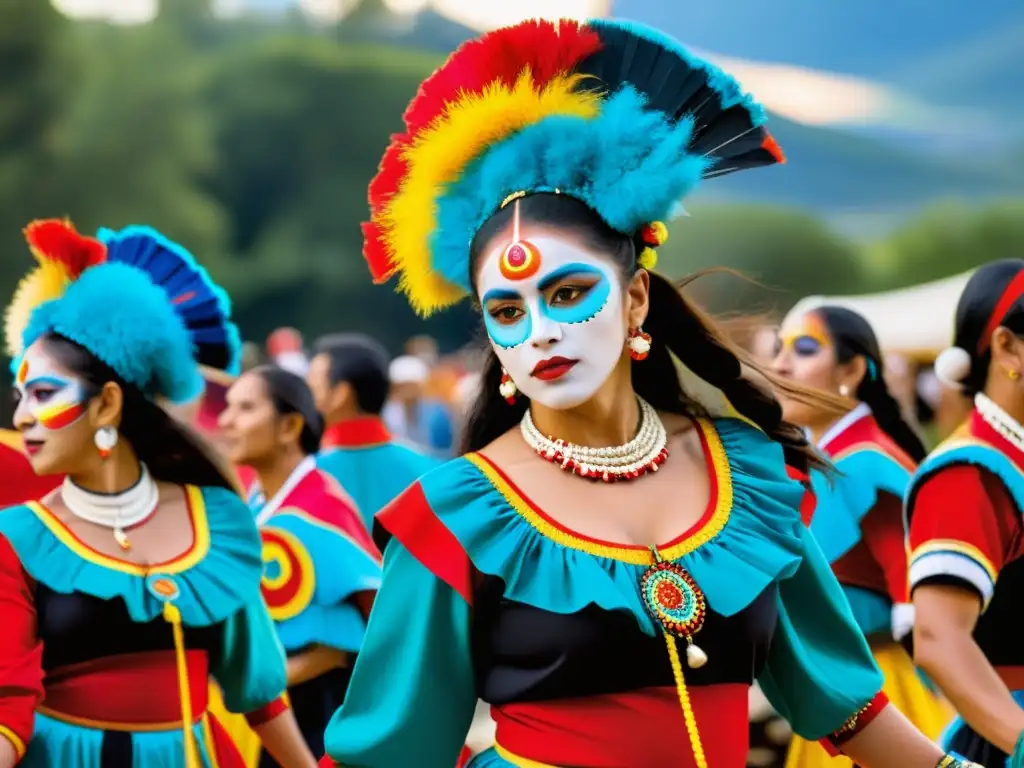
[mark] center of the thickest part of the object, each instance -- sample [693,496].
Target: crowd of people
[627,535]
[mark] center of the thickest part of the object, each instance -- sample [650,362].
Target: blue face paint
[505,334]
[584,308]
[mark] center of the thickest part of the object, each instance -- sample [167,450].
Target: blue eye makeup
[594,294]
[506,334]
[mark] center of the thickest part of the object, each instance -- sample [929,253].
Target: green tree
[786,253]
[947,239]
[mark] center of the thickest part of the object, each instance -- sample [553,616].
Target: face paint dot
[519,260]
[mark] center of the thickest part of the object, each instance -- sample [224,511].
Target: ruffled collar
[748,537]
[214,578]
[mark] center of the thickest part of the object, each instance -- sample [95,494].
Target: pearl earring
[105,440]
[507,388]
[844,390]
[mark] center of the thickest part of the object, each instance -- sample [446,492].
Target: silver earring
[844,390]
[105,440]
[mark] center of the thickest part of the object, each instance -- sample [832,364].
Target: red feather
[58,240]
[548,49]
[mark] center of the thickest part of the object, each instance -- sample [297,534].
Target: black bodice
[522,653]
[78,627]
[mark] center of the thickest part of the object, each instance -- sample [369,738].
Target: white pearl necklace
[1000,421]
[644,453]
[116,511]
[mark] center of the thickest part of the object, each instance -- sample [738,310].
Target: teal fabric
[871,611]
[975,454]
[376,474]
[412,695]
[216,587]
[251,671]
[760,543]
[71,746]
[842,501]
[820,670]
[1016,760]
[342,568]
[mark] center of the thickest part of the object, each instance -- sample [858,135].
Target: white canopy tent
[916,322]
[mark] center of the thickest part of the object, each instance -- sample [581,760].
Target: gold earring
[1014,375]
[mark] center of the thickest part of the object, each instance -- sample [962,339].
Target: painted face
[554,314]
[51,411]
[805,354]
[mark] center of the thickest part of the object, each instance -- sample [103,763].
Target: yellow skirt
[906,691]
[244,738]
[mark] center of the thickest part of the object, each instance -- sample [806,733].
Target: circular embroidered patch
[673,599]
[163,587]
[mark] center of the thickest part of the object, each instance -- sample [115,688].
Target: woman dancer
[321,569]
[126,588]
[964,507]
[858,516]
[557,571]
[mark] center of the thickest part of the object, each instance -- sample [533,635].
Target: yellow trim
[868,447]
[632,555]
[972,442]
[15,739]
[107,725]
[958,547]
[12,440]
[689,717]
[199,549]
[516,760]
[290,544]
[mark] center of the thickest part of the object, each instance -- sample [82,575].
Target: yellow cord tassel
[684,700]
[173,617]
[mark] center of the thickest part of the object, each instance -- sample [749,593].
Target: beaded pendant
[673,599]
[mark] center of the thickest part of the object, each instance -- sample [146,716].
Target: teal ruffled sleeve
[820,671]
[251,670]
[412,690]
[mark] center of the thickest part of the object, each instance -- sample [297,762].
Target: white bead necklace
[1000,420]
[644,453]
[116,511]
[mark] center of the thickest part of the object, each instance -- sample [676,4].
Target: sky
[807,96]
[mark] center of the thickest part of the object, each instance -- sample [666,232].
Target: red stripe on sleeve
[410,519]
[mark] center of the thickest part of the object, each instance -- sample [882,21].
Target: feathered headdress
[134,299]
[613,113]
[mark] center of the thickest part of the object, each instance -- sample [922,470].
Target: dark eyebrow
[569,270]
[500,294]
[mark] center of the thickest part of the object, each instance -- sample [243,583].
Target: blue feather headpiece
[613,113]
[134,299]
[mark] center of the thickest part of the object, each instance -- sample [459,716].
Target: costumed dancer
[321,569]
[138,579]
[349,378]
[20,483]
[608,567]
[857,518]
[964,509]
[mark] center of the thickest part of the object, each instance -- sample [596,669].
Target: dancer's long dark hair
[676,327]
[171,451]
[852,336]
[974,310]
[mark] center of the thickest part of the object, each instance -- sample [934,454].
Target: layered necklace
[116,511]
[1000,421]
[641,455]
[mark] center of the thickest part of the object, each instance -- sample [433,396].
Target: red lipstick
[553,368]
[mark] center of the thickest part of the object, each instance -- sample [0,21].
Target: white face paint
[554,314]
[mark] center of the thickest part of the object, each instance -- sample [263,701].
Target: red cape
[18,483]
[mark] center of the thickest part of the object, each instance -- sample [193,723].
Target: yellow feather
[466,129]
[46,282]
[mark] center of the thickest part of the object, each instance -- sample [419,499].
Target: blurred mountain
[951,52]
[427,30]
